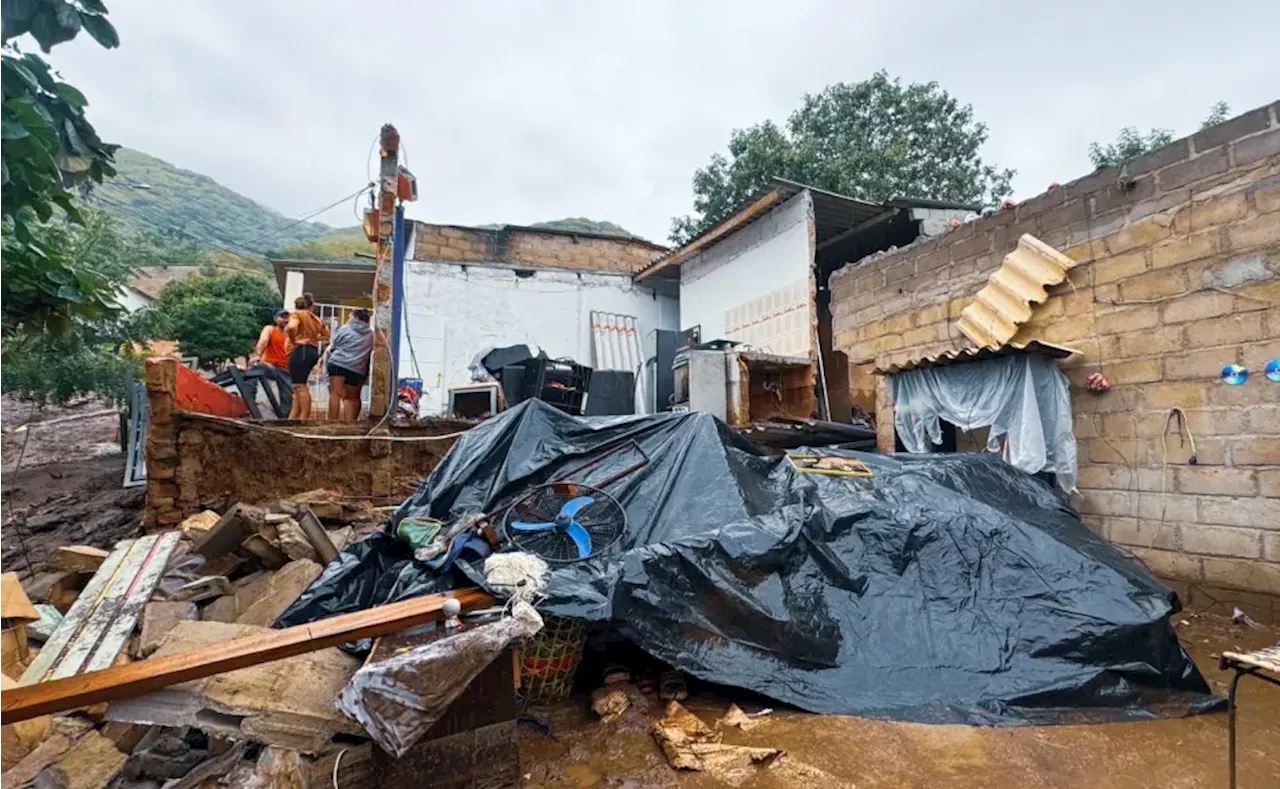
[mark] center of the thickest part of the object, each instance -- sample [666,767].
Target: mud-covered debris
[689,744]
[609,702]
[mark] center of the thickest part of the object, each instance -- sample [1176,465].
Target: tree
[214,318]
[49,147]
[873,140]
[1130,142]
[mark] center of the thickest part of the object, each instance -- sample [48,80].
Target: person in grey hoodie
[347,362]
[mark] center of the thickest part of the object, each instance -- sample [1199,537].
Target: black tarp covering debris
[945,588]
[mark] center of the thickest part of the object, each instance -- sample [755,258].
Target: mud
[63,442]
[835,751]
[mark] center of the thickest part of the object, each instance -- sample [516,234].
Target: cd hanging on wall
[1234,374]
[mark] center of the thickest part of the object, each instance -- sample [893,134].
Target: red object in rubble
[1006,205]
[1097,383]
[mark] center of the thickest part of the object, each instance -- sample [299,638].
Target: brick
[1269,483]
[1251,576]
[1166,202]
[1203,166]
[1227,330]
[1161,157]
[1252,393]
[971,247]
[1145,534]
[1139,371]
[1239,126]
[1216,480]
[1260,231]
[1108,450]
[1176,395]
[1256,451]
[1246,152]
[1198,306]
[1211,213]
[1118,267]
[1140,234]
[1063,216]
[1166,507]
[1106,502]
[1253,511]
[1271,547]
[1165,339]
[1256,356]
[1117,196]
[1264,419]
[1221,541]
[1171,564]
[1266,198]
[1206,364]
[1184,250]
[1041,203]
[1153,285]
[1128,319]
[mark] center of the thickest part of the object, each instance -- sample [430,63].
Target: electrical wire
[319,437]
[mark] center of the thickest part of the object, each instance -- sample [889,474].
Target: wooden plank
[14,603]
[144,676]
[718,232]
[80,609]
[102,619]
[81,558]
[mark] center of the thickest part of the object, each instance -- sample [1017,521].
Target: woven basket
[549,661]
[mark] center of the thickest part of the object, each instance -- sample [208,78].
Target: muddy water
[827,752]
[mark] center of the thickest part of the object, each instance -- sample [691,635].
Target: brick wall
[530,247]
[195,462]
[1179,274]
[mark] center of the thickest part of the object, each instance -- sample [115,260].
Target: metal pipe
[317,536]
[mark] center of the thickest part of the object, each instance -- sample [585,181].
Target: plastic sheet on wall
[944,588]
[1024,399]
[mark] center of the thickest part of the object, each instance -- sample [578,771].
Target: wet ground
[825,752]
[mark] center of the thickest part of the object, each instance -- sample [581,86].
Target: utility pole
[380,383]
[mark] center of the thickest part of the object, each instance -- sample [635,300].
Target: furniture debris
[103,617]
[16,614]
[1261,663]
[1004,303]
[80,558]
[161,671]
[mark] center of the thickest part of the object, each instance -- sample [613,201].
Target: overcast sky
[525,111]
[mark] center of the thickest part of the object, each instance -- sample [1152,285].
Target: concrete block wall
[529,247]
[1179,274]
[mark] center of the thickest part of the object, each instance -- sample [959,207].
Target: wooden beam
[723,229]
[144,676]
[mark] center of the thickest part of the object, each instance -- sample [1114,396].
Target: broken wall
[196,462]
[1179,275]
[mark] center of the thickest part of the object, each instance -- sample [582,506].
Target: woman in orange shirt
[270,348]
[303,334]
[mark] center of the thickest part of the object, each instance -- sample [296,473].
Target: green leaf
[95,6]
[102,31]
[42,209]
[11,129]
[15,17]
[71,293]
[77,164]
[72,96]
[60,276]
[47,30]
[67,15]
[19,74]
[4,172]
[72,138]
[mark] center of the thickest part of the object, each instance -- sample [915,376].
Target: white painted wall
[455,311]
[754,286]
[132,300]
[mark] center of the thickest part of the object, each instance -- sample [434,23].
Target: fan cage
[604,520]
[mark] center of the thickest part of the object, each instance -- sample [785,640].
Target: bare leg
[337,388]
[302,396]
[299,391]
[352,402]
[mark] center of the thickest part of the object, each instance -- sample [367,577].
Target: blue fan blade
[571,507]
[522,526]
[580,538]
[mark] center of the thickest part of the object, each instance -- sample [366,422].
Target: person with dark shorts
[347,363]
[303,334]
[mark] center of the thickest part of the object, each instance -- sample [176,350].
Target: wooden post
[381,386]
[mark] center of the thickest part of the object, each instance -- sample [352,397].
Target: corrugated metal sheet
[615,343]
[1005,301]
[976,354]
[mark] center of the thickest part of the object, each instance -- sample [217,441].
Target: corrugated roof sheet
[977,354]
[1005,301]
[615,343]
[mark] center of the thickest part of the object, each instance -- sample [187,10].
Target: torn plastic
[1024,399]
[944,588]
[398,699]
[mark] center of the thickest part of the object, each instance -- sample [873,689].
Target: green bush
[51,368]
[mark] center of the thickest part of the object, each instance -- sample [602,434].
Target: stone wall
[197,462]
[530,247]
[1179,274]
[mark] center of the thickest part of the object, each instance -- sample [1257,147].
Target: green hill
[580,224]
[150,195]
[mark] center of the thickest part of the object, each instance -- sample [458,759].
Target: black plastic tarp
[945,588]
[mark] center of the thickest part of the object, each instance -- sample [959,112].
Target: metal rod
[317,536]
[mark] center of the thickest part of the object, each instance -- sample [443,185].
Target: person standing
[270,348]
[348,365]
[303,334]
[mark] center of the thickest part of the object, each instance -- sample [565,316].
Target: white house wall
[755,286]
[456,311]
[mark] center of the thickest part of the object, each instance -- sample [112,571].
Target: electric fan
[565,522]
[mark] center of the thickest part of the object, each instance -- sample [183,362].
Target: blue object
[1234,374]
[565,522]
[1273,370]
